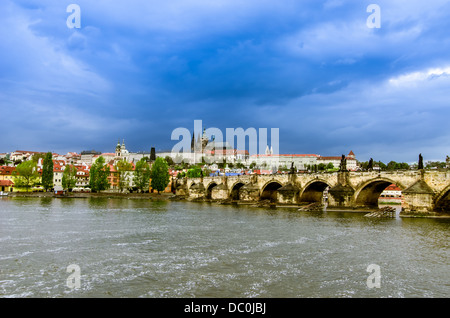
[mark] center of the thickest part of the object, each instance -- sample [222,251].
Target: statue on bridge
[370,166]
[292,170]
[343,164]
[420,166]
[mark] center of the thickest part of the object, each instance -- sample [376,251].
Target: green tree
[123,172]
[142,175]
[69,178]
[35,157]
[160,174]
[194,172]
[392,165]
[99,173]
[169,160]
[47,171]
[330,166]
[321,166]
[26,175]
[240,165]
[435,164]
[382,165]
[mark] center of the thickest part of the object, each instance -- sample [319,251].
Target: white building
[88,156]
[391,191]
[300,161]
[336,161]
[22,155]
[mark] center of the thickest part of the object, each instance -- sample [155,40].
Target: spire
[198,145]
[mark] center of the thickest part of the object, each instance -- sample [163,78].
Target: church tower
[205,140]
[121,151]
[118,150]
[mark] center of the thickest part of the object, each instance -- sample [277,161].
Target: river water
[141,248]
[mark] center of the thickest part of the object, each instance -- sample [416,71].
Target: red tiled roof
[330,158]
[6,170]
[6,183]
[24,151]
[334,158]
[287,155]
[393,187]
[223,152]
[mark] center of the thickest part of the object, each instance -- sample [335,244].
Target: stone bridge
[423,191]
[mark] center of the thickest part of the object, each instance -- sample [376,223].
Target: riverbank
[172,197]
[75,195]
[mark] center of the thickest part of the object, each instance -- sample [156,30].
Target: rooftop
[287,155]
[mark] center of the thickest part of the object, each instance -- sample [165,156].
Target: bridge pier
[418,198]
[220,192]
[197,191]
[249,192]
[341,195]
[181,188]
[288,194]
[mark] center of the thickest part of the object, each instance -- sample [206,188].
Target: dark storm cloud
[139,69]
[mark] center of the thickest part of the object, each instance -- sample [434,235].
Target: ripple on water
[135,249]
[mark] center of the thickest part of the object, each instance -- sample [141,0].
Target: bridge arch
[313,191]
[209,189]
[442,200]
[269,190]
[367,194]
[235,188]
[192,185]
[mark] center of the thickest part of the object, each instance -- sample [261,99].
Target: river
[143,248]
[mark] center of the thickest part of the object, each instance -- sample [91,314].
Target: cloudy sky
[138,69]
